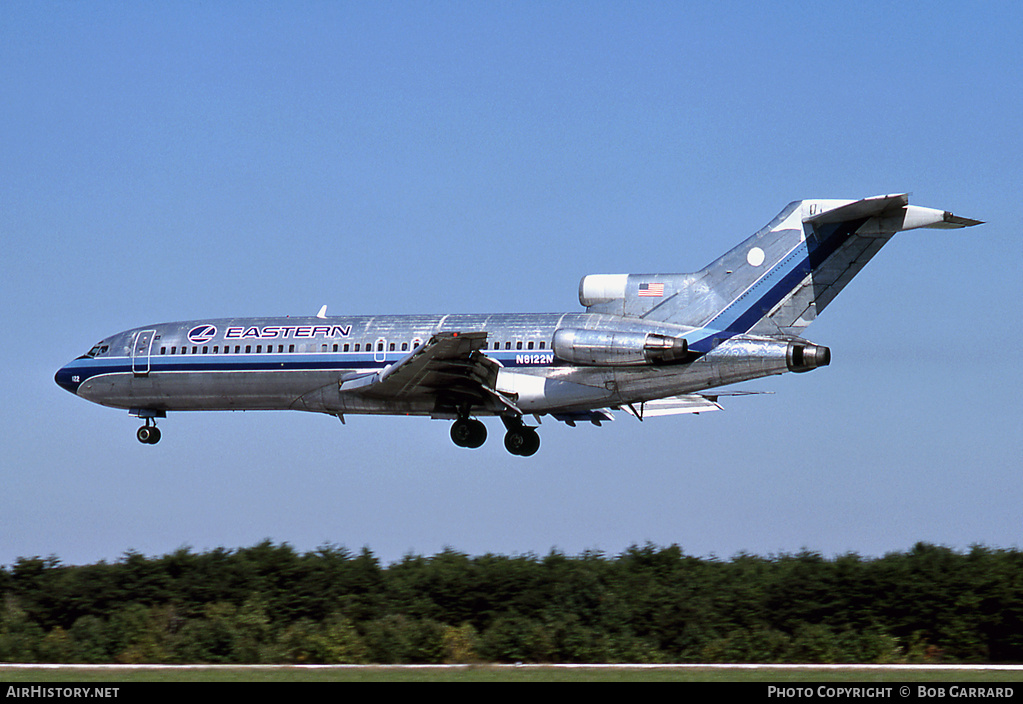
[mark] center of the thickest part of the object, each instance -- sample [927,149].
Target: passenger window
[530,346]
[216,349]
[518,345]
[391,347]
[356,346]
[404,347]
[248,349]
[205,349]
[335,347]
[291,348]
[174,349]
[345,349]
[163,350]
[195,349]
[542,344]
[237,349]
[507,345]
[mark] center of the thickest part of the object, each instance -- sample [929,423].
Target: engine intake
[618,348]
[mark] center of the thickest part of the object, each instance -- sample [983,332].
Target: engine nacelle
[616,348]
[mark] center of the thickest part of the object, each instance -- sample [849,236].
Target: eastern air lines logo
[202,333]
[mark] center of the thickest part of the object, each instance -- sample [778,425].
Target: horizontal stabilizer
[952,222]
[886,215]
[891,214]
[858,210]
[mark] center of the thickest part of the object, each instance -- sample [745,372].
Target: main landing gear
[468,432]
[519,439]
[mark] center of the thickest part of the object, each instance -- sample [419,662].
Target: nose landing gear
[148,434]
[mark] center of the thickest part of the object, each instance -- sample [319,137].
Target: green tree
[398,639]
[461,644]
[20,638]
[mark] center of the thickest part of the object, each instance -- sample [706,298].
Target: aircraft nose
[67,379]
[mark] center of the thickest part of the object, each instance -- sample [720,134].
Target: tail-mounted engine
[618,348]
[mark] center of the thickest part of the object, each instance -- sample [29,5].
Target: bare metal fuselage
[297,363]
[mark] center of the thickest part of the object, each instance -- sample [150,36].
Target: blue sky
[170,161]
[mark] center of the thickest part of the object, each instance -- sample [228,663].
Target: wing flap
[673,405]
[450,367]
[684,403]
[595,416]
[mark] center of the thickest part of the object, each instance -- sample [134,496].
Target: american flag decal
[651,290]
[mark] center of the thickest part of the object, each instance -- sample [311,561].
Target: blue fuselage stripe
[78,371]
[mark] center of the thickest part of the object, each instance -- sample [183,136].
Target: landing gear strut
[520,439]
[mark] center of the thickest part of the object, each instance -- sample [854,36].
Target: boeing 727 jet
[646,344]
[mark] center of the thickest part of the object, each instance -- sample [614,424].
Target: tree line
[272,604]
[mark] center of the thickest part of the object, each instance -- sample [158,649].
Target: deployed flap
[595,416]
[674,405]
[449,367]
[685,403]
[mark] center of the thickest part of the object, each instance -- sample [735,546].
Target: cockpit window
[97,350]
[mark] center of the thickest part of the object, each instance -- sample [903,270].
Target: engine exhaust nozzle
[804,356]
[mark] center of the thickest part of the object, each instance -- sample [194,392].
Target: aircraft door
[140,351]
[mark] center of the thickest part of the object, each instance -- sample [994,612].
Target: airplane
[647,344]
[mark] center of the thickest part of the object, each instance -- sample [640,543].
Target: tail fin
[777,281]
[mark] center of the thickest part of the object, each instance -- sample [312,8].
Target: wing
[449,367]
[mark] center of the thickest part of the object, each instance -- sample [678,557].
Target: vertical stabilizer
[775,282]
